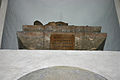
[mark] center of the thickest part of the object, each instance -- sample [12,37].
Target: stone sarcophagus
[61,36]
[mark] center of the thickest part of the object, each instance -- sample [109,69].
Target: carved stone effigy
[61,36]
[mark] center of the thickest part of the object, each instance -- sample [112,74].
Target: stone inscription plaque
[62,41]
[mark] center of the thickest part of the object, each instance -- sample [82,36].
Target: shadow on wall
[0,3]
[62,73]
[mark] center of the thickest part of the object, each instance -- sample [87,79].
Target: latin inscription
[62,41]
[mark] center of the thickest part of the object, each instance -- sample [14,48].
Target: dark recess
[0,3]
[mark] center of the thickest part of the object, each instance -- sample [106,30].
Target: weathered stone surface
[86,37]
[62,41]
[75,29]
[95,29]
[83,41]
[90,41]
[30,40]
[47,40]
[50,28]
[33,28]
[62,73]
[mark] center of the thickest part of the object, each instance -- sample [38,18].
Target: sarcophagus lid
[61,27]
[33,28]
[61,36]
[49,28]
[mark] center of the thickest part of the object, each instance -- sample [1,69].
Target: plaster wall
[15,64]
[76,12]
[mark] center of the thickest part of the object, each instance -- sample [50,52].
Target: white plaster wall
[3,8]
[14,64]
[76,12]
